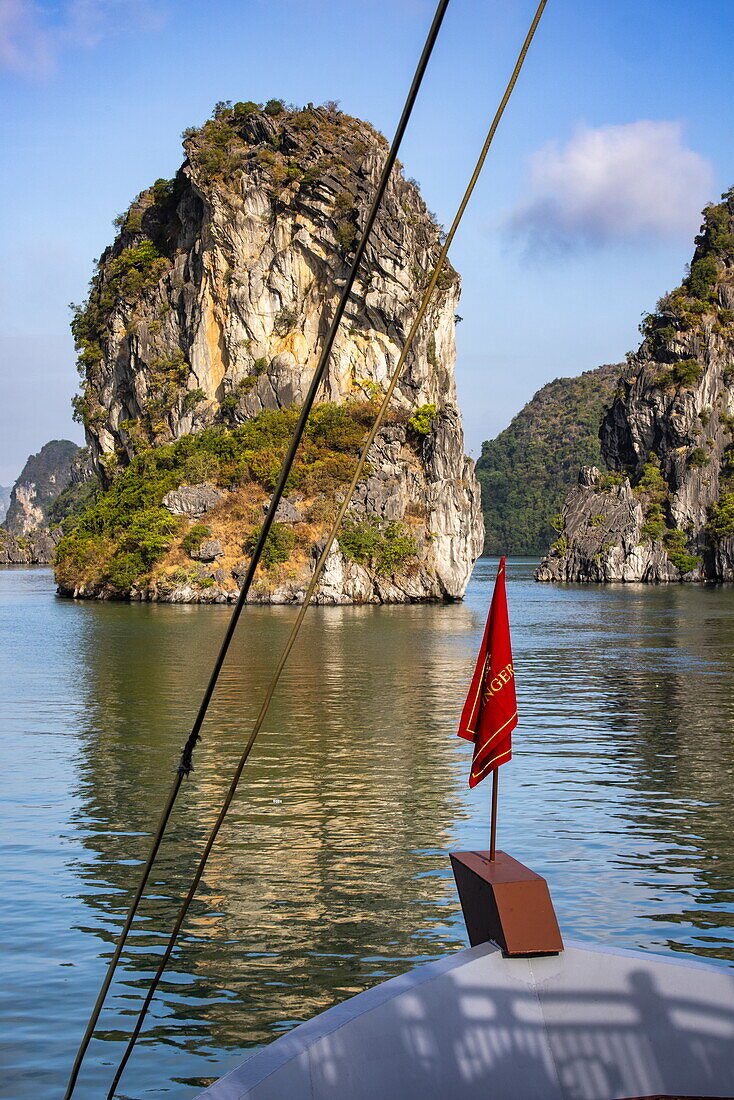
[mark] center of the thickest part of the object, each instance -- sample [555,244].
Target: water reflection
[332,872]
[635,697]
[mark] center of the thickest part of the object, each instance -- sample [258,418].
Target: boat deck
[589,1024]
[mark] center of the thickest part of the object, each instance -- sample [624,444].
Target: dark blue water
[332,871]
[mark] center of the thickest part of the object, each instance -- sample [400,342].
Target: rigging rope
[186,762]
[428,293]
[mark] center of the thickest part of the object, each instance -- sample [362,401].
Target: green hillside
[527,470]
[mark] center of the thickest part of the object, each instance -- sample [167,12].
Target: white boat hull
[589,1024]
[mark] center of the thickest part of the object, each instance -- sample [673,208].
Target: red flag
[490,711]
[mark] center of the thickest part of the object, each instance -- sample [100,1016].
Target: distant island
[53,484]
[526,472]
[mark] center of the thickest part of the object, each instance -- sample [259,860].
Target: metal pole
[493,826]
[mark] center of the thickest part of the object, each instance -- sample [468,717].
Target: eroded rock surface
[666,511]
[29,533]
[193,500]
[602,538]
[36,547]
[210,310]
[44,476]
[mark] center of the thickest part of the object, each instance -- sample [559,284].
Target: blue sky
[619,130]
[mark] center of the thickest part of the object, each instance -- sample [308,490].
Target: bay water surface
[332,870]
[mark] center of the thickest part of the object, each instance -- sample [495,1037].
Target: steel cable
[428,293]
[185,764]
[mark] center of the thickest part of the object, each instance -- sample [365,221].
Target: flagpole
[493,826]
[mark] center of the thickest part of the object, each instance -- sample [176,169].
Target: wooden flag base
[506,902]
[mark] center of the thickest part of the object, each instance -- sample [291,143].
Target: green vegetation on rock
[72,502]
[681,310]
[676,549]
[526,472]
[654,494]
[720,524]
[133,264]
[608,480]
[278,545]
[194,537]
[115,542]
[721,518]
[685,373]
[651,482]
[422,419]
[384,544]
[698,458]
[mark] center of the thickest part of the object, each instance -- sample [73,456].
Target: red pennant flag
[490,711]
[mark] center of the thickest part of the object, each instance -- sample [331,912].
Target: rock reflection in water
[330,873]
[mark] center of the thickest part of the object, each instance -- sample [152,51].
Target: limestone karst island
[196,346]
[367,550]
[663,510]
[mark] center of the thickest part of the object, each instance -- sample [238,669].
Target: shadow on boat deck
[587,1025]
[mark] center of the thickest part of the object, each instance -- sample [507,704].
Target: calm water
[332,871]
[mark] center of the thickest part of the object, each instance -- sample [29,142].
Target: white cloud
[26,47]
[31,40]
[632,182]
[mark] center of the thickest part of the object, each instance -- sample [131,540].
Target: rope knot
[186,763]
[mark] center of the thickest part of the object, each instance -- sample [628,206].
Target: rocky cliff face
[208,314]
[34,548]
[43,477]
[28,535]
[667,511]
